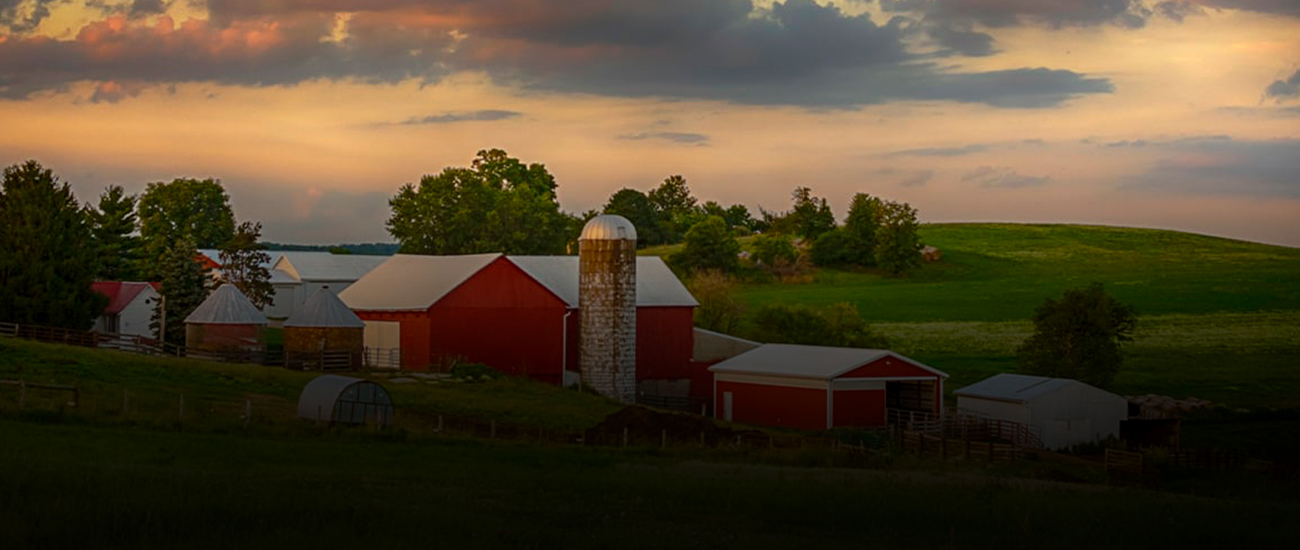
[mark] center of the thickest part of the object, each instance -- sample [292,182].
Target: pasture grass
[64,486]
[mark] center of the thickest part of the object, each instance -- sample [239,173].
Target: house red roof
[120,293]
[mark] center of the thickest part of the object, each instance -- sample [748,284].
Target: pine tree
[48,259]
[243,264]
[112,225]
[184,286]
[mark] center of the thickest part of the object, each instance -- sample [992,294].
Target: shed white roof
[324,309]
[407,282]
[798,361]
[656,285]
[323,266]
[227,306]
[1016,388]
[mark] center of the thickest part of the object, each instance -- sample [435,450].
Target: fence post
[439,423]
[493,426]
[181,416]
[76,395]
[663,439]
[248,412]
[624,436]
[126,402]
[22,394]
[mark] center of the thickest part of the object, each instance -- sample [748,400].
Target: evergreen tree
[184,286]
[48,259]
[1078,336]
[243,264]
[112,225]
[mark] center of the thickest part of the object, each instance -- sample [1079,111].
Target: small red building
[818,388]
[517,314]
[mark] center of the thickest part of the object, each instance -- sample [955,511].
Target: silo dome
[608,227]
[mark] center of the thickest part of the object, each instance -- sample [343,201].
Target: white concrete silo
[607,302]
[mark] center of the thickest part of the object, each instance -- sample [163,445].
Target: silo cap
[608,227]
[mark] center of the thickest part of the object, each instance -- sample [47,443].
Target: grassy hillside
[1219,318]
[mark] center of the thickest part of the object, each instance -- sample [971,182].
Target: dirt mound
[646,426]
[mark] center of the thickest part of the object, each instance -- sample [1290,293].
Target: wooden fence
[965,449]
[23,386]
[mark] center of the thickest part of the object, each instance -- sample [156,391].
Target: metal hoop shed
[345,400]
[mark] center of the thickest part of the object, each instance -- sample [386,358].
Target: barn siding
[765,405]
[888,367]
[859,408]
[503,318]
[665,339]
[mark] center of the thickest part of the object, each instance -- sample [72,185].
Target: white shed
[130,307]
[1066,412]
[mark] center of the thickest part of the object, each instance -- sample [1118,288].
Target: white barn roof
[656,285]
[323,266]
[1015,388]
[227,306]
[798,361]
[325,310]
[407,282]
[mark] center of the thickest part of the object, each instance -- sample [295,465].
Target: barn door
[383,341]
[726,406]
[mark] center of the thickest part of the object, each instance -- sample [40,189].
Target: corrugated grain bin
[323,334]
[226,321]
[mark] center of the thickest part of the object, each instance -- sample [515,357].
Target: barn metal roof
[407,282]
[323,266]
[608,227]
[323,309]
[656,285]
[227,306]
[798,361]
[1016,388]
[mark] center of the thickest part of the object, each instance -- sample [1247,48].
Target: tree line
[56,247]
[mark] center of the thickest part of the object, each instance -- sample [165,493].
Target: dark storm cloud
[1177,11]
[147,7]
[1220,165]
[486,115]
[1006,13]
[685,138]
[795,53]
[1285,89]
[15,21]
[1002,176]
[962,41]
[1276,7]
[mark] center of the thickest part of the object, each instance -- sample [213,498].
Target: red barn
[818,388]
[517,314]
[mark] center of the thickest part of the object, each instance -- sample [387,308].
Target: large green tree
[185,208]
[811,215]
[675,207]
[860,228]
[112,225]
[1078,336]
[183,286]
[243,264]
[636,207]
[709,245]
[48,258]
[837,325]
[897,245]
[498,204]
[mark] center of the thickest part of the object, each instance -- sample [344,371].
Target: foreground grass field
[72,486]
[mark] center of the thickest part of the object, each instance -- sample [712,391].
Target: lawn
[66,486]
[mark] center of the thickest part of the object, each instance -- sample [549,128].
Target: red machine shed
[818,388]
[517,314]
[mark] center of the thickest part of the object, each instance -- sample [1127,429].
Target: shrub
[474,372]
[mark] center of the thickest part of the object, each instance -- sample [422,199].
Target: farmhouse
[818,387]
[1065,412]
[517,314]
[130,307]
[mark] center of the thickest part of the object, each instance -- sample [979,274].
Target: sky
[1180,114]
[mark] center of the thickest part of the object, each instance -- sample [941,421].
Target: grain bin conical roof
[324,310]
[227,306]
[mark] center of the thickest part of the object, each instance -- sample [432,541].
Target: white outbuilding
[1065,412]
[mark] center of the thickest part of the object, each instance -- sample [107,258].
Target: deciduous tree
[636,207]
[1078,336]
[811,215]
[47,256]
[185,208]
[709,245]
[897,245]
[675,207]
[719,309]
[837,325]
[498,204]
[243,264]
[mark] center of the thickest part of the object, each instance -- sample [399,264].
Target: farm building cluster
[608,319]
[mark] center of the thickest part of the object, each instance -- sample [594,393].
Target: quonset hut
[323,333]
[226,321]
[344,400]
[607,302]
